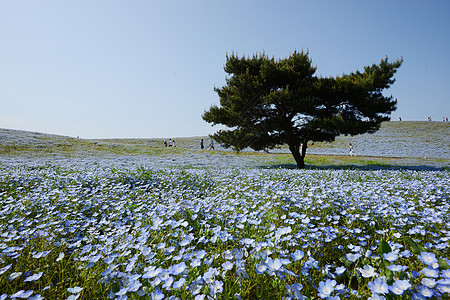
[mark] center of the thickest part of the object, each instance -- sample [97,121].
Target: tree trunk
[299,157]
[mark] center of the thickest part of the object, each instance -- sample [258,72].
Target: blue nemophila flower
[14,275]
[134,285]
[4,269]
[274,265]
[75,290]
[122,291]
[178,284]
[226,266]
[34,277]
[326,288]
[425,291]
[297,255]
[434,273]
[397,268]
[429,282]
[178,268]
[157,295]
[399,286]
[260,268]
[195,262]
[405,254]
[73,297]
[216,287]
[22,294]
[391,256]
[36,297]
[376,297]
[167,283]
[368,271]
[60,256]
[378,286]
[352,256]
[40,254]
[295,290]
[443,285]
[340,270]
[428,258]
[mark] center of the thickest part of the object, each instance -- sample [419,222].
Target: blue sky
[103,69]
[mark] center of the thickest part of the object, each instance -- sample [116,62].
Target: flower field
[223,233]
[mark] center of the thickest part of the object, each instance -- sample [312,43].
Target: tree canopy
[268,102]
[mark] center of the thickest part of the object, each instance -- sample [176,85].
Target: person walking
[350,148]
[211,145]
[202,146]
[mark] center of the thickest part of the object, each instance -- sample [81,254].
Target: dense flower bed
[223,233]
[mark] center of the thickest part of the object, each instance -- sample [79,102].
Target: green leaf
[384,248]
[443,265]
[415,248]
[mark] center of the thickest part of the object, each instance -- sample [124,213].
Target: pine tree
[268,102]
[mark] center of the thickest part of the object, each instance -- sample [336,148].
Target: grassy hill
[422,144]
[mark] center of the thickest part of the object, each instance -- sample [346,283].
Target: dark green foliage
[268,102]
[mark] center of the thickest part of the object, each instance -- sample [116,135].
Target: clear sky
[103,69]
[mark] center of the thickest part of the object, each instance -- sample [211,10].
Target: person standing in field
[211,145]
[350,148]
[201,145]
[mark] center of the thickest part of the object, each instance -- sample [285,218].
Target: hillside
[404,143]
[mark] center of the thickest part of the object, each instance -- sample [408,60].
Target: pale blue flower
[151,272]
[352,256]
[434,273]
[22,294]
[391,256]
[260,268]
[167,283]
[428,258]
[34,277]
[60,256]
[216,287]
[425,291]
[179,283]
[177,269]
[122,291]
[397,268]
[157,295]
[4,269]
[340,270]
[443,285]
[134,286]
[399,286]
[326,288]
[368,271]
[378,286]
[195,262]
[297,255]
[295,290]
[429,282]
[274,265]
[40,254]
[75,290]
[227,265]
[14,275]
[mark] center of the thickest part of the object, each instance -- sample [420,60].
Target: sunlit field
[223,233]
